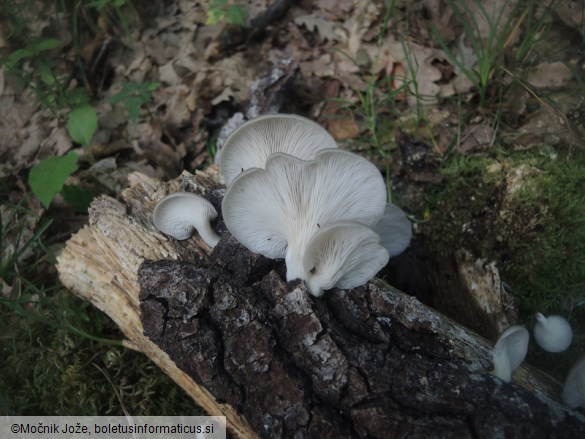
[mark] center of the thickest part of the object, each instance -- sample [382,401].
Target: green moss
[552,261]
[545,254]
[526,211]
[462,208]
[47,369]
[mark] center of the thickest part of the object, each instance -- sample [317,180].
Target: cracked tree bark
[368,362]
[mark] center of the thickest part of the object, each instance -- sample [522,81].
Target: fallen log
[222,323]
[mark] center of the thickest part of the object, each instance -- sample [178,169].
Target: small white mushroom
[394,229]
[180,213]
[552,333]
[250,145]
[276,211]
[344,254]
[574,389]
[510,351]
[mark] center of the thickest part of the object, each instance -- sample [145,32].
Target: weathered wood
[279,363]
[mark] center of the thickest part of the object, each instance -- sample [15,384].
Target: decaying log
[368,362]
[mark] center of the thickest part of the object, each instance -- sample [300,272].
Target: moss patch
[47,369]
[527,213]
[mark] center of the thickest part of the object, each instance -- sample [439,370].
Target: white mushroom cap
[552,333]
[394,229]
[180,213]
[343,254]
[574,389]
[250,145]
[510,351]
[275,211]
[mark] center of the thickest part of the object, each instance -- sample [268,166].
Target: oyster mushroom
[510,351]
[276,211]
[250,145]
[343,254]
[394,229]
[574,388]
[181,213]
[552,333]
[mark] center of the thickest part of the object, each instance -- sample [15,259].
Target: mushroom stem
[294,264]
[208,234]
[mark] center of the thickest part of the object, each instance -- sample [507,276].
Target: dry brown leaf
[336,10]
[476,138]
[553,124]
[320,67]
[168,75]
[571,12]
[489,16]
[338,121]
[550,75]
[439,16]
[327,30]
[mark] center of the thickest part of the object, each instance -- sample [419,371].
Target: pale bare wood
[100,264]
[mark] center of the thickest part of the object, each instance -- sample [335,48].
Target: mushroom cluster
[292,194]
[553,334]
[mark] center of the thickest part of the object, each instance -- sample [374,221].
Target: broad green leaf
[134,94]
[216,4]
[82,124]
[16,56]
[47,44]
[77,197]
[236,15]
[98,4]
[47,178]
[132,106]
[46,74]
[213,17]
[76,96]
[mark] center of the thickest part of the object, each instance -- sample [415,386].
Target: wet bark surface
[354,363]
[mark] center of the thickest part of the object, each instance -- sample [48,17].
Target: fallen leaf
[327,30]
[476,138]
[550,75]
[338,121]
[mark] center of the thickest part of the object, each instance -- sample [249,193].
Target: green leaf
[152,86]
[16,56]
[134,94]
[76,97]
[46,74]
[98,4]
[47,44]
[132,106]
[77,197]
[216,4]
[236,15]
[47,178]
[82,124]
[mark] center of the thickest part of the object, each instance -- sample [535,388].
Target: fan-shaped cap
[552,333]
[394,229]
[343,254]
[180,213]
[275,211]
[574,389]
[510,351]
[250,145]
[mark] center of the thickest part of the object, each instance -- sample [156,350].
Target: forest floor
[473,111]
